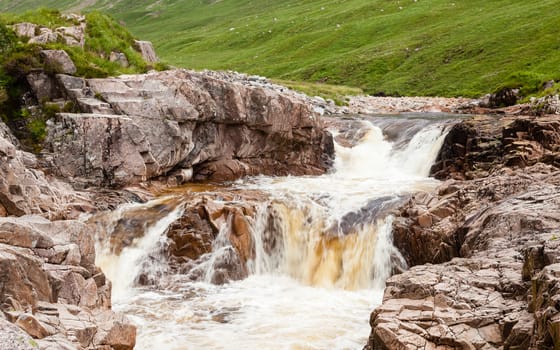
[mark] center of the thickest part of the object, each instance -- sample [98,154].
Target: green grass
[437,47]
[18,57]
[337,93]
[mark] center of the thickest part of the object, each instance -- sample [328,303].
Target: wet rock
[493,236]
[482,144]
[192,235]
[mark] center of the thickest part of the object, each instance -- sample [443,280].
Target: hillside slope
[412,47]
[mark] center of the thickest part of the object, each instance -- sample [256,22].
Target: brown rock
[115,331]
[32,326]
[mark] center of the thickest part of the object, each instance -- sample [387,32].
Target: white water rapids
[318,286]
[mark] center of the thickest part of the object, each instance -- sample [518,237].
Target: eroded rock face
[26,190]
[483,144]
[53,291]
[140,127]
[492,230]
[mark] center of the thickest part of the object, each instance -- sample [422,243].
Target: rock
[14,338]
[545,302]
[116,332]
[25,190]
[545,105]
[146,50]
[25,29]
[52,289]
[59,60]
[46,36]
[503,98]
[476,146]
[491,230]
[74,35]
[160,123]
[32,326]
[42,85]
[119,57]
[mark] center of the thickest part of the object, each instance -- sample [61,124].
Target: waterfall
[321,250]
[123,269]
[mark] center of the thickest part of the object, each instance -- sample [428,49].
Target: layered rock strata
[52,289]
[50,286]
[182,125]
[492,231]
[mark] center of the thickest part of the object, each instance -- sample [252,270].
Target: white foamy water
[316,285]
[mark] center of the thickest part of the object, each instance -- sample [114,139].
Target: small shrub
[37,130]
[50,110]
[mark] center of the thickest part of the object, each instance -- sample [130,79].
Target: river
[316,287]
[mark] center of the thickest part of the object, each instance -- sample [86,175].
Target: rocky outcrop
[71,36]
[491,230]
[476,147]
[136,128]
[52,289]
[59,61]
[26,190]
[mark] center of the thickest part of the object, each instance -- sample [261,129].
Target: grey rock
[14,338]
[146,126]
[146,50]
[119,57]
[25,29]
[60,60]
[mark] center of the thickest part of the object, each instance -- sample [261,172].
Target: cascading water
[321,253]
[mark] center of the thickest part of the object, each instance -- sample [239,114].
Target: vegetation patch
[337,93]
[439,47]
[103,35]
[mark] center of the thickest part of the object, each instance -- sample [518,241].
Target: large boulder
[141,127]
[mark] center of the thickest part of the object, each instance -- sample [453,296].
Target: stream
[322,250]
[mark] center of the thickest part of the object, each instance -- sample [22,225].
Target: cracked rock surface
[484,248]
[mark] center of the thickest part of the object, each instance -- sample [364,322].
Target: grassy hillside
[19,57]
[412,47]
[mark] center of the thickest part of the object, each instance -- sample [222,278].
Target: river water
[317,287]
